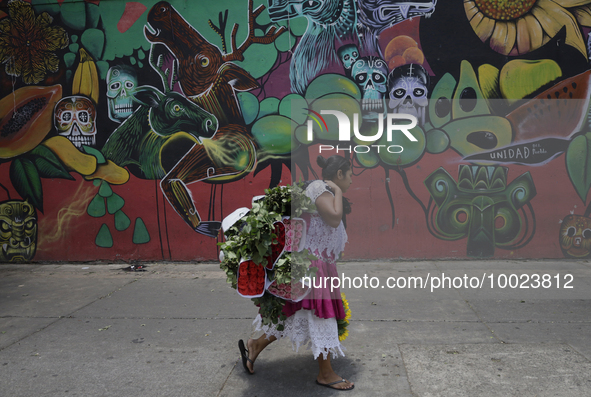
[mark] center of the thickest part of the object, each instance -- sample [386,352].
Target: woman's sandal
[329,385]
[244,355]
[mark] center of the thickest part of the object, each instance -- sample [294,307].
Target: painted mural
[129,130]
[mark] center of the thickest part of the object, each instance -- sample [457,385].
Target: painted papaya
[26,118]
[558,112]
[73,159]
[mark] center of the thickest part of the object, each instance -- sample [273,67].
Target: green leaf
[578,164]
[122,221]
[114,203]
[48,164]
[96,208]
[104,238]
[25,179]
[140,233]
[105,190]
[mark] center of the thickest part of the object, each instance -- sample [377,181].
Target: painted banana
[86,81]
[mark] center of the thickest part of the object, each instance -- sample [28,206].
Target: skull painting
[370,74]
[18,231]
[75,119]
[575,236]
[121,84]
[348,54]
[407,88]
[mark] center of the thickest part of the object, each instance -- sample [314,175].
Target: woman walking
[313,321]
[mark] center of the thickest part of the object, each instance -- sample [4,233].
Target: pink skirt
[323,302]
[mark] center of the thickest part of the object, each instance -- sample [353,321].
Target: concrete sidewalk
[96,330]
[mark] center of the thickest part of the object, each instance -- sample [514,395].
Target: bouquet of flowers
[342,324]
[263,254]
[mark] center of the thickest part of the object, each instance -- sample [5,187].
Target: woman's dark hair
[330,168]
[332,165]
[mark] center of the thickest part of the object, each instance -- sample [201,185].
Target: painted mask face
[18,231]
[348,55]
[75,119]
[407,90]
[121,85]
[575,236]
[370,74]
[409,95]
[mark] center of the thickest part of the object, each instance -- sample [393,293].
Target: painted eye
[83,116]
[30,224]
[4,226]
[418,92]
[442,107]
[347,57]
[204,61]
[115,86]
[177,108]
[468,99]
[378,78]
[129,84]
[586,233]
[571,231]
[355,55]
[399,93]
[67,116]
[361,77]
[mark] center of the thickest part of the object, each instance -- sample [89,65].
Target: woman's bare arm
[330,207]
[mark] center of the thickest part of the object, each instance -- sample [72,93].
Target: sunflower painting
[28,43]
[516,27]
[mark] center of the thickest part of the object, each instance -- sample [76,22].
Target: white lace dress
[305,326]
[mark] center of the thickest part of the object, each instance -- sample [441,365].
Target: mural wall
[129,130]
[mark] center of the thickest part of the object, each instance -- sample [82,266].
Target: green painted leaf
[93,40]
[93,14]
[140,233]
[73,14]
[249,105]
[578,164]
[259,58]
[96,208]
[48,164]
[105,190]
[103,68]
[48,169]
[69,59]
[295,107]
[114,203]
[96,182]
[298,26]
[49,6]
[332,84]
[269,106]
[25,179]
[100,159]
[104,238]
[274,134]
[122,221]
[285,42]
